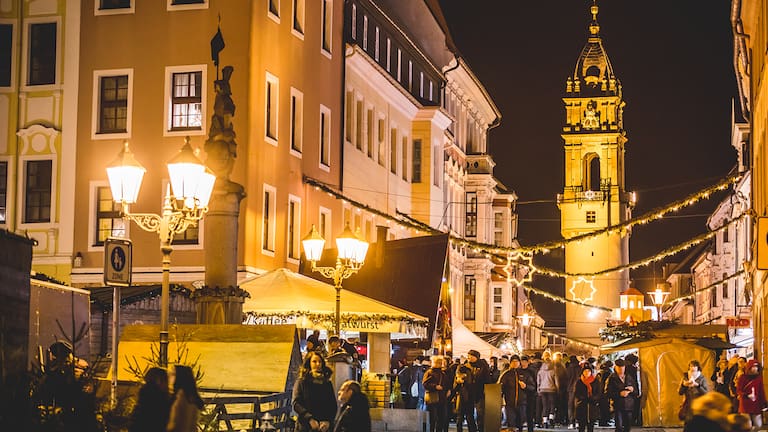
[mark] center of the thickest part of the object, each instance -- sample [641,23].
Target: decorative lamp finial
[594,27]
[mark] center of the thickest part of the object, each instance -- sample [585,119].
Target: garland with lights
[557,298]
[410,222]
[322,318]
[706,288]
[672,250]
[565,338]
[643,330]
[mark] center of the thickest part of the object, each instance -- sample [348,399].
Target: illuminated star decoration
[584,284]
[521,259]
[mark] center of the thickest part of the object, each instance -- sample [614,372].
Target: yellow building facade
[594,195]
[146,76]
[39,45]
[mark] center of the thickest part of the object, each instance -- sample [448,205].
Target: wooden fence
[245,412]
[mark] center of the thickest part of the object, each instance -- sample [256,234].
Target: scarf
[588,382]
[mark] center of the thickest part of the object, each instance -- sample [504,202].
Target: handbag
[682,413]
[431,397]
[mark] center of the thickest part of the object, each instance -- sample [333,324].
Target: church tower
[594,195]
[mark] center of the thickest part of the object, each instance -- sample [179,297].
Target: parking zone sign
[117,262]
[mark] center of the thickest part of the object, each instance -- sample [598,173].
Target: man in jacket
[354,413]
[531,412]
[480,377]
[515,383]
[622,390]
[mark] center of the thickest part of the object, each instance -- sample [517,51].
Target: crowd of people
[557,390]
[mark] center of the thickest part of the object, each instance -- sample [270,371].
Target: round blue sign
[117,259]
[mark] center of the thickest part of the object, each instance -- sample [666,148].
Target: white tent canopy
[464,340]
[284,297]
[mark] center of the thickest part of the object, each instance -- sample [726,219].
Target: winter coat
[691,393]
[184,414]
[481,375]
[313,398]
[586,406]
[561,375]
[354,415]
[514,394]
[613,388]
[546,380]
[699,423]
[746,386]
[434,377]
[151,411]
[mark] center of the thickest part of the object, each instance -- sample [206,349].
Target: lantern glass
[204,189]
[186,172]
[125,175]
[346,243]
[313,245]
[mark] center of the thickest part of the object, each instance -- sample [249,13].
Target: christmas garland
[643,330]
[322,318]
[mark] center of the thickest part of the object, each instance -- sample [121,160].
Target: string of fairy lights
[709,287]
[523,255]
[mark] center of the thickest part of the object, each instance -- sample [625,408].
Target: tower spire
[594,27]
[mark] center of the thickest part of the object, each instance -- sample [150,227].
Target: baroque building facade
[39,51]
[594,195]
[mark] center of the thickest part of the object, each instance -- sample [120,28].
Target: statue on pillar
[220,145]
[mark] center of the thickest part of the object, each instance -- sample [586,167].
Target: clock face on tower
[591,118]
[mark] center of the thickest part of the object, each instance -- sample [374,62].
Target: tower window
[591,217]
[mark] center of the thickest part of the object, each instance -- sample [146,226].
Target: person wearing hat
[480,377]
[514,386]
[606,368]
[587,393]
[749,388]
[622,390]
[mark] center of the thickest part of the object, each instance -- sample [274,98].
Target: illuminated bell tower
[594,195]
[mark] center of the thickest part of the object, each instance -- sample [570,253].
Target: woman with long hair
[187,402]
[314,400]
[154,403]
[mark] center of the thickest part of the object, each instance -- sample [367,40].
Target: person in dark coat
[622,390]
[514,384]
[573,371]
[709,414]
[464,398]
[587,393]
[154,403]
[481,376]
[313,397]
[693,385]
[437,385]
[354,413]
[532,411]
[605,404]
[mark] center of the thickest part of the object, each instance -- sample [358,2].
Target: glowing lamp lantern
[348,245]
[125,175]
[313,245]
[189,180]
[526,319]
[658,297]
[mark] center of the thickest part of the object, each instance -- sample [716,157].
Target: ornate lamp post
[658,297]
[186,201]
[352,251]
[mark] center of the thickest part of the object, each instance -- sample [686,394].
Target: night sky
[674,60]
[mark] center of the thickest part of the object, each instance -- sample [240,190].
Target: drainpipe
[11,208]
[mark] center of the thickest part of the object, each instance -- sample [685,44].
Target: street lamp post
[658,297]
[186,201]
[351,255]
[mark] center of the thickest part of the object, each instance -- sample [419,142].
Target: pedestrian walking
[514,383]
[480,377]
[463,399]
[622,390]
[436,390]
[354,413]
[693,385]
[547,388]
[587,393]
[313,398]
[187,403]
[605,403]
[751,393]
[573,371]
[153,406]
[531,394]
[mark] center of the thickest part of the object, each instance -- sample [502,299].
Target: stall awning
[464,340]
[282,297]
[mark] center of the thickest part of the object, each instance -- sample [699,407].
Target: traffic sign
[117,262]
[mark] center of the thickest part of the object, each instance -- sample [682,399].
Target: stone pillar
[378,352]
[221,301]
